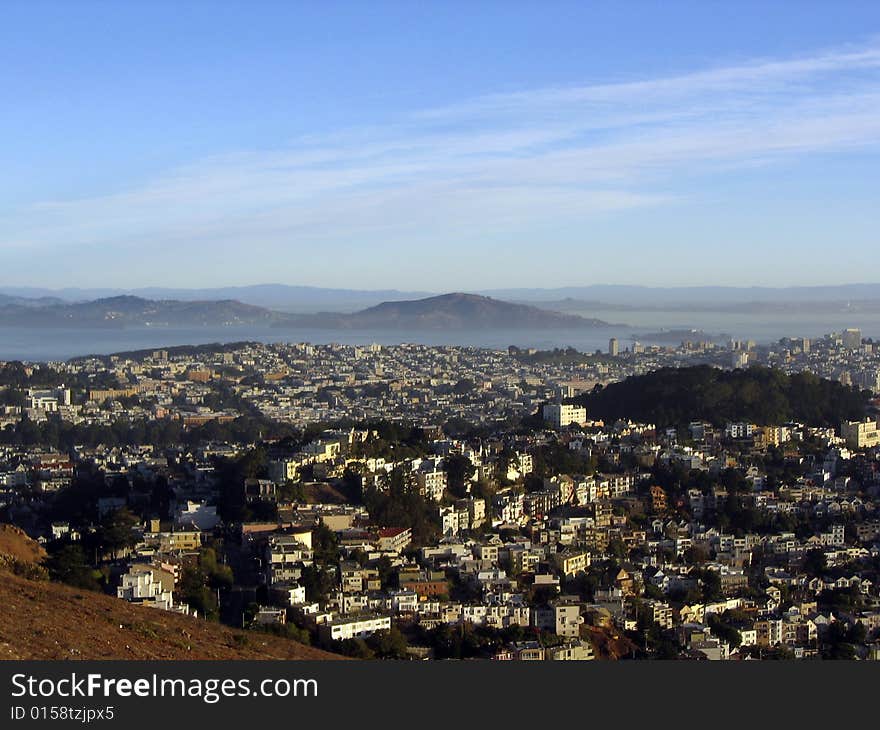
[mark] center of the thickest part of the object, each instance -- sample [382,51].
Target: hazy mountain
[309,299]
[129,311]
[793,307]
[6,300]
[449,311]
[646,296]
[271,296]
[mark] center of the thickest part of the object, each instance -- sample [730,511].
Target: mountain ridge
[128,310]
[455,311]
[304,298]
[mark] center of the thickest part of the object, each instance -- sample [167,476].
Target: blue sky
[439,146]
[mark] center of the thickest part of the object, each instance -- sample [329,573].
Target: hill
[7,300]
[651,296]
[130,311]
[313,299]
[450,311]
[272,296]
[16,545]
[676,396]
[45,620]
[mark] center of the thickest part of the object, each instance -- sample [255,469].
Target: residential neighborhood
[418,502]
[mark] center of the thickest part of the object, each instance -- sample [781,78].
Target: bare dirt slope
[15,544]
[44,620]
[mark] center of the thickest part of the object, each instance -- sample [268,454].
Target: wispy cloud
[501,162]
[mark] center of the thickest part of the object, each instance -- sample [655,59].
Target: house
[659,612]
[562,617]
[393,539]
[575,651]
[284,558]
[354,627]
[269,616]
[150,585]
[289,594]
[571,563]
[769,631]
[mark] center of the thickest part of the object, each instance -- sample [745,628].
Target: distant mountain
[6,300]
[272,296]
[744,306]
[448,312]
[310,299]
[130,311]
[642,297]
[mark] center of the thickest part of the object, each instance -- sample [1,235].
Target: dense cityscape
[420,502]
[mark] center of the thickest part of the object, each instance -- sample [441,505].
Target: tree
[397,503]
[357,648]
[463,386]
[711,585]
[388,644]
[617,549]
[116,532]
[696,555]
[318,583]
[815,563]
[387,573]
[675,396]
[195,593]
[218,575]
[724,631]
[325,545]
[69,564]
[459,471]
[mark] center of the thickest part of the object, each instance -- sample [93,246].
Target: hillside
[129,311]
[272,296]
[450,311]
[601,296]
[44,620]
[16,545]
[676,396]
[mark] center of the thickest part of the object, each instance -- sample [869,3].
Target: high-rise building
[852,338]
[613,347]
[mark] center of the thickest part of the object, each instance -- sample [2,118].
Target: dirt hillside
[15,544]
[44,620]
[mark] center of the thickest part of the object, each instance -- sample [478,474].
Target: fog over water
[61,344]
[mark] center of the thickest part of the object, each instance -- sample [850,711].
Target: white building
[354,627]
[48,399]
[738,430]
[150,586]
[860,434]
[432,481]
[561,415]
[198,514]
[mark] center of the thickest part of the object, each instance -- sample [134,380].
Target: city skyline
[493,151]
